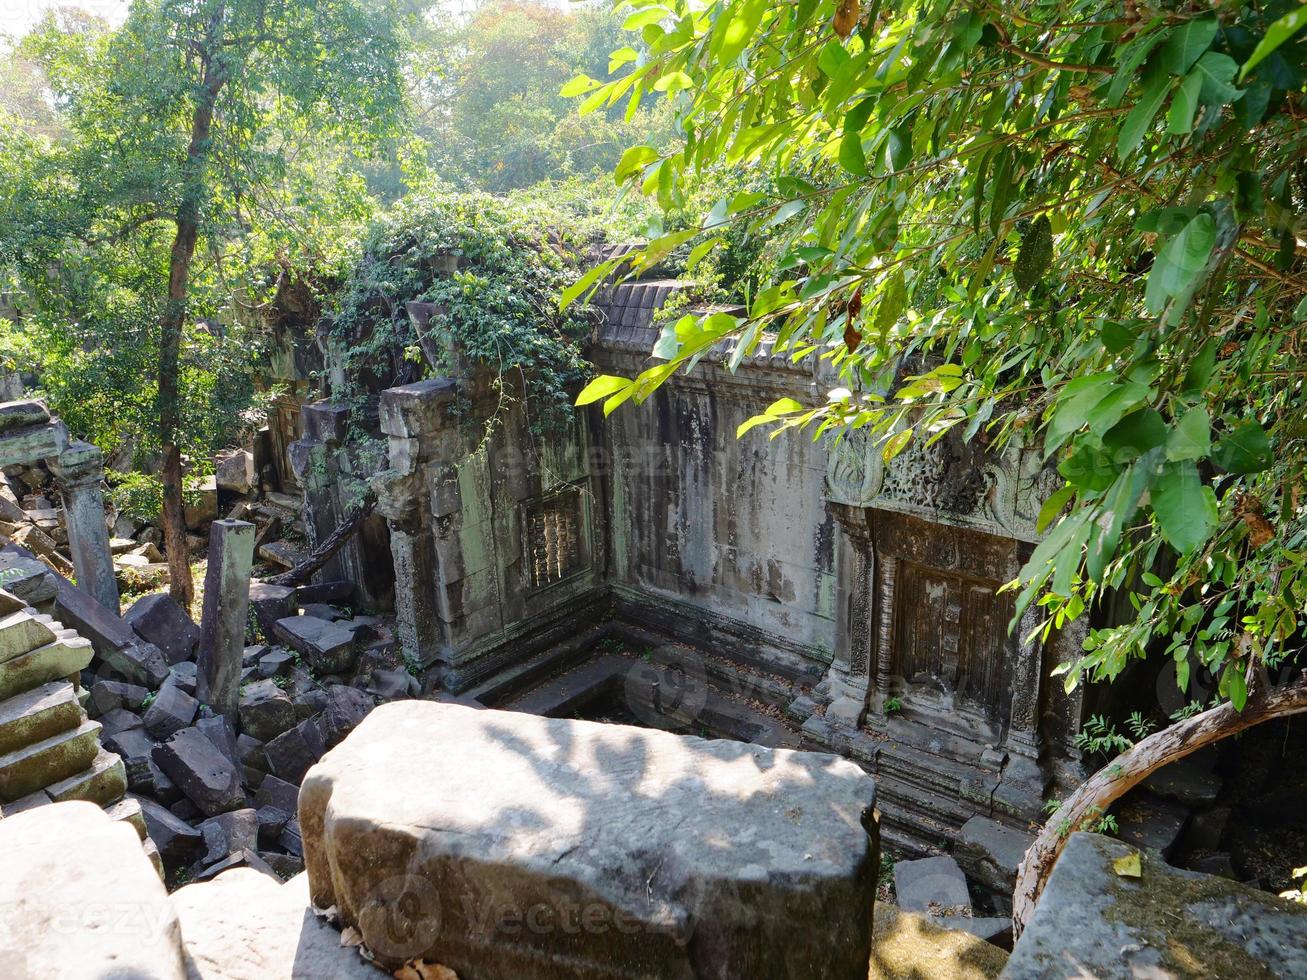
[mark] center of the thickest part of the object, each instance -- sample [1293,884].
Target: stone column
[417,623]
[889,568]
[850,673]
[1022,741]
[226,613]
[78,471]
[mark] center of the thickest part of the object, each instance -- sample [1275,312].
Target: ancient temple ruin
[858,601]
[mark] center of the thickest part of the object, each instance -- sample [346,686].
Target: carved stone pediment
[951,481]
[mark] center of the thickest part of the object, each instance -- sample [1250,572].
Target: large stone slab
[328,648]
[1092,922]
[513,845]
[244,925]
[81,900]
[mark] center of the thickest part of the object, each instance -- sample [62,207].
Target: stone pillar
[78,471]
[1022,741]
[413,417]
[850,673]
[889,567]
[226,613]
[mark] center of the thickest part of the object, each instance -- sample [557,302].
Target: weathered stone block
[202,771]
[48,761]
[634,852]
[21,632]
[177,840]
[106,695]
[292,753]
[933,881]
[1092,922]
[229,833]
[171,711]
[17,414]
[265,710]
[48,663]
[328,648]
[102,783]
[271,603]
[236,472]
[991,852]
[346,707]
[160,619]
[38,714]
[81,899]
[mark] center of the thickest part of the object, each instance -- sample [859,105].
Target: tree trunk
[1106,786]
[319,556]
[180,586]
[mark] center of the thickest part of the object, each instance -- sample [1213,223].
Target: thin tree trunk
[174,317]
[1106,786]
[323,552]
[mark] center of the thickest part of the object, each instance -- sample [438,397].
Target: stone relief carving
[950,480]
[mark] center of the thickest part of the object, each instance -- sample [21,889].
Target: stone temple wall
[721,541]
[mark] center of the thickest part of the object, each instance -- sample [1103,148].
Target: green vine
[494,268]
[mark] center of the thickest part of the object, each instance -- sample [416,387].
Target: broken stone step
[38,714]
[104,782]
[128,811]
[54,661]
[327,647]
[21,632]
[49,761]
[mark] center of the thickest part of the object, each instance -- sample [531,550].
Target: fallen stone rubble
[219,792]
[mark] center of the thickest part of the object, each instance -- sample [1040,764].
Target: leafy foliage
[494,268]
[1083,222]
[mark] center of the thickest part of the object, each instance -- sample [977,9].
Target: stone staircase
[50,751]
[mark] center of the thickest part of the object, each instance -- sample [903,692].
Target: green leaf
[1185,509]
[645,17]
[1279,32]
[1244,449]
[699,251]
[1073,402]
[586,282]
[1118,399]
[1179,264]
[1186,43]
[895,444]
[1184,105]
[1052,507]
[1135,434]
[743,25]
[1142,115]
[1235,684]
[852,157]
[578,86]
[1201,369]
[602,387]
[674,81]
[1217,70]
[635,158]
[1192,436]
[1088,468]
[1035,254]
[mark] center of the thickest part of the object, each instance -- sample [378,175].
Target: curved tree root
[1111,782]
